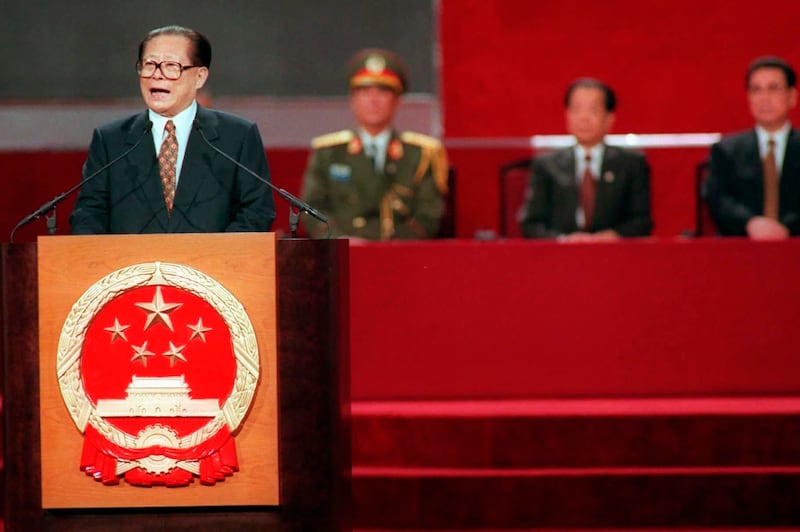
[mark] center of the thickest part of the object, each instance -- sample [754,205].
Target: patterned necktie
[770,182]
[167,161]
[587,193]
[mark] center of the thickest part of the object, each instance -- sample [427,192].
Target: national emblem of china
[158,365]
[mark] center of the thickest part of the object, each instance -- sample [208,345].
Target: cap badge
[375,63]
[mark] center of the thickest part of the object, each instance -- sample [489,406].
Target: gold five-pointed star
[141,352]
[174,353]
[199,330]
[117,330]
[158,310]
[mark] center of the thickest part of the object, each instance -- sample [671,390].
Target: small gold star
[174,353]
[141,352]
[158,310]
[117,330]
[198,330]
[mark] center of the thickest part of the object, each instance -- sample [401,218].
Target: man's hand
[609,235]
[762,228]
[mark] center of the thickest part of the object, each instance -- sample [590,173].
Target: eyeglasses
[171,70]
[772,88]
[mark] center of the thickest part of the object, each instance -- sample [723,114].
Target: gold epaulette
[332,139]
[433,157]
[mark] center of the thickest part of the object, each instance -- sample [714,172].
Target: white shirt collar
[183,122]
[380,141]
[596,152]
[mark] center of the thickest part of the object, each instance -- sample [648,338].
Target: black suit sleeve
[254,208]
[537,214]
[637,221]
[730,213]
[91,213]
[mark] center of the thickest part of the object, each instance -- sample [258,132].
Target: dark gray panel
[87,49]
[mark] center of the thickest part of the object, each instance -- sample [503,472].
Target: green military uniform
[403,201]
[403,198]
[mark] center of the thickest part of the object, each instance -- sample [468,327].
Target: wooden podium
[312,388]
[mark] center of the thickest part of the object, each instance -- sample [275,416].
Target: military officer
[374,182]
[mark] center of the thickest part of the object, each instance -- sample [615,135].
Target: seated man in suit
[373,182]
[162,175]
[753,185]
[590,191]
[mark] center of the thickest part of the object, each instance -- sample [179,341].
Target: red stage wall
[517,319]
[676,66]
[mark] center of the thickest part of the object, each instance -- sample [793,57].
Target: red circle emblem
[158,364]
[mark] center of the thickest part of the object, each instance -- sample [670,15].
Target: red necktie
[167,161]
[770,182]
[587,194]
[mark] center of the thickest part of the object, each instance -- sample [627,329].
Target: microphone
[295,202]
[51,205]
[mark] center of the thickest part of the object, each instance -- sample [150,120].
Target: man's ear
[610,121]
[202,76]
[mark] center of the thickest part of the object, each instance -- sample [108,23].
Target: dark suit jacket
[622,200]
[212,195]
[735,183]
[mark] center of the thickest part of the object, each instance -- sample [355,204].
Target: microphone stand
[294,220]
[51,205]
[50,222]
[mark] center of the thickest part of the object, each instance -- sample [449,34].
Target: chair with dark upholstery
[447,227]
[515,178]
[704,223]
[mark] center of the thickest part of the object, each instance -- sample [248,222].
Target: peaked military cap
[374,66]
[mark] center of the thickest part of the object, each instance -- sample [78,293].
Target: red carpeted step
[469,499]
[720,462]
[579,433]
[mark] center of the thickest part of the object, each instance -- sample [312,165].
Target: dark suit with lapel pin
[622,199]
[212,194]
[735,183]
